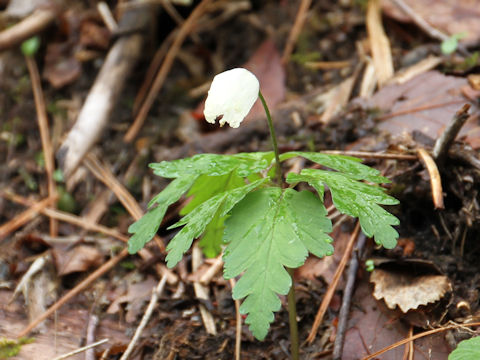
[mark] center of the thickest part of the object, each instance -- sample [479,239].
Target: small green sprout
[30,46]
[450,45]
[369,265]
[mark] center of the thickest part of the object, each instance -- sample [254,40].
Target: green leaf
[467,350]
[207,186]
[198,219]
[146,227]
[357,199]
[213,165]
[346,164]
[271,229]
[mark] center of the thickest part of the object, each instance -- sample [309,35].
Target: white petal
[231,96]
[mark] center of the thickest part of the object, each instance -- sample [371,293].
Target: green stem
[292,320]
[292,309]
[278,170]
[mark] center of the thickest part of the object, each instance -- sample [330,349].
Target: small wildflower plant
[241,205]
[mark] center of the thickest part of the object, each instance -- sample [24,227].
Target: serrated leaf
[211,241]
[357,199]
[207,186]
[146,227]
[467,350]
[197,220]
[345,164]
[271,229]
[213,165]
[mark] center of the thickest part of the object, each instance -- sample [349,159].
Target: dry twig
[418,336]
[24,217]
[379,43]
[347,297]
[435,179]
[104,174]
[146,316]
[104,93]
[75,291]
[443,143]
[42,119]
[184,30]
[28,27]
[296,29]
[333,285]
[82,349]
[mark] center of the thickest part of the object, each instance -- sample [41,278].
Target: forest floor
[361,78]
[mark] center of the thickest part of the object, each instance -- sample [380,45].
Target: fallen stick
[347,298]
[43,126]
[105,92]
[185,29]
[435,179]
[146,316]
[443,143]
[333,285]
[25,29]
[24,217]
[75,291]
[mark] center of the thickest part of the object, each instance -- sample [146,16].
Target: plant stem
[278,170]
[292,309]
[292,319]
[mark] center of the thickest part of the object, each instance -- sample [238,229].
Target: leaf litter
[424,105]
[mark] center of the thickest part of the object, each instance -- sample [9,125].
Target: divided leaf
[199,218]
[146,227]
[271,229]
[205,172]
[213,165]
[356,199]
[345,164]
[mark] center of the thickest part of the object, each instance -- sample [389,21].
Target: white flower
[231,96]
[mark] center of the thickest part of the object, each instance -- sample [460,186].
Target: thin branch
[333,285]
[75,291]
[435,179]
[238,325]
[47,147]
[443,143]
[418,336]
[82,349]
[347,298]
[26,28]
[146,316]
[185,29]
[296,29]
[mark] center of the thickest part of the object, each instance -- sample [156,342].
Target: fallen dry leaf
[426,103]
[77,259]
[449,16]
[137,294]
[407,290]
[372,327]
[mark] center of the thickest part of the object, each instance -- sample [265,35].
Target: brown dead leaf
[137,294]
[61,67]
[426,103]
[449,16]
[77,259]
[406,290]
[372,327]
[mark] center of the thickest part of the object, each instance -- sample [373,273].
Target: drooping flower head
[231,96]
